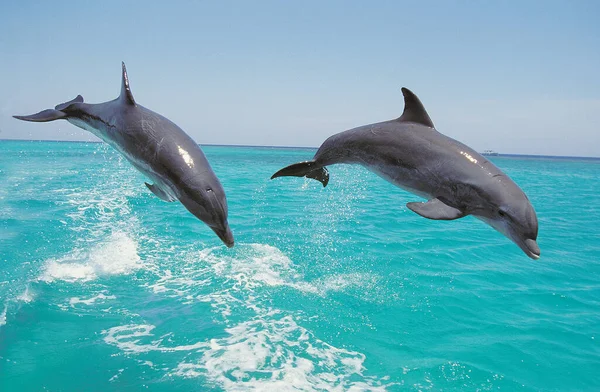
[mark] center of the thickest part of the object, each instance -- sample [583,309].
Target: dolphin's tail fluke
[309,169]
[43,116]
[52,114]
[63,106]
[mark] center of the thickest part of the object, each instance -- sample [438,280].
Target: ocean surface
[105,287]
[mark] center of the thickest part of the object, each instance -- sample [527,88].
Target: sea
[104,287]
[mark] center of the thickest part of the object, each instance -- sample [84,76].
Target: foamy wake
[270,351]
[273,353]
[116,255]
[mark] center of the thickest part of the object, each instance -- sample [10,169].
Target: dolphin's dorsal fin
[414,110]
[126,95]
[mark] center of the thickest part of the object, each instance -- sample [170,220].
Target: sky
[517,77]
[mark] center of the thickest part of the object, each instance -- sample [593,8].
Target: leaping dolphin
[156,147]
[411,154]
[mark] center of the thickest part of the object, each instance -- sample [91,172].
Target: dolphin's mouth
[527,245]
[225,235]
[531,248]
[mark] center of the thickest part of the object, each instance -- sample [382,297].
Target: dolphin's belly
[145,167]
[417,167]
[408,179]
[132,154]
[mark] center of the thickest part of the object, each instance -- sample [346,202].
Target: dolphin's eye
[503,213]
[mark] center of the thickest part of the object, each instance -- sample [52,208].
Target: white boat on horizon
[489,153]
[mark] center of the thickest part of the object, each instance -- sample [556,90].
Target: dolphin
[155,146]
[411,154]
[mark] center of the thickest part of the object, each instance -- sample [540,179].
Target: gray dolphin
[156,147]
[411,154]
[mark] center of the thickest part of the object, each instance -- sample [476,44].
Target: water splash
[117,255]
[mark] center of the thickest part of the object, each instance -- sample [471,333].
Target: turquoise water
[105,287]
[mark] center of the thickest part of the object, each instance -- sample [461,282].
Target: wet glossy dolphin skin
[411,154]
[156,147]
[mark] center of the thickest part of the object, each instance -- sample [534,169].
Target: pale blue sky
[514,76]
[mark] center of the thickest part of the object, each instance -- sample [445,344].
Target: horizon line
[294,147]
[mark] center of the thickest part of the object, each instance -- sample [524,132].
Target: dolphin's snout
[225,235]
[533,249]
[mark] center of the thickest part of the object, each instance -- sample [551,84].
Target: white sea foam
[3,315]
[272,352]
[76,300]
[269,352]
[138,338]
[117,255]
[26,296]
[127,338]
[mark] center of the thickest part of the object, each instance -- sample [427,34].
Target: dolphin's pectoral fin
[307,169]
[43,116]
[436,209]
[159,192]
[62,106]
